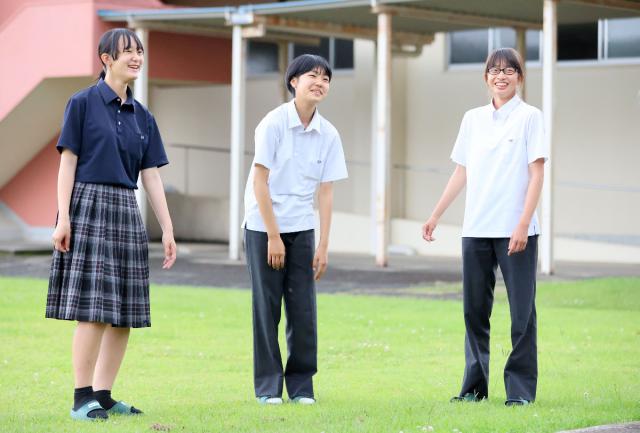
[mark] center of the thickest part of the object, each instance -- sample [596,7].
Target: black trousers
[480,258]
[294,284]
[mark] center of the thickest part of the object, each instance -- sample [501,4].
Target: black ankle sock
[104,398]
[81,396]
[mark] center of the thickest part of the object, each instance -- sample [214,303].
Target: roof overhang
[414,21]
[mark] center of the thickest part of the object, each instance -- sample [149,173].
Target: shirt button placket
[118,117]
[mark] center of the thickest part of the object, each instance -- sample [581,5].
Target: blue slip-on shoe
[268,400]
[470,397]
[82,414]
[517,402]
[303,400]
[122,408]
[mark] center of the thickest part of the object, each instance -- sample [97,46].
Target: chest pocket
[132,140]
[312,169]
[511,147]
[298,165]
[311,165]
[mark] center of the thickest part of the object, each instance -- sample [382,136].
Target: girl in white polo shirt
[500,155]
[296,152]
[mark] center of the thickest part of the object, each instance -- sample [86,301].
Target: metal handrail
[413,168]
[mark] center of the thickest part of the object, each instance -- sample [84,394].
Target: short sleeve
[154,155]
[72,126]
[335,167]
[459,153]
[536,146]
[266,141]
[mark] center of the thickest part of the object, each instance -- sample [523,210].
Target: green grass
[385,364]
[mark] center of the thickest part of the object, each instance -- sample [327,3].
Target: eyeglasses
[507,71]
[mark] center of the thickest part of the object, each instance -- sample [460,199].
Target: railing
[406,168]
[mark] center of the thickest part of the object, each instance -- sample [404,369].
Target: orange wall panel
[189,58]
[31,194]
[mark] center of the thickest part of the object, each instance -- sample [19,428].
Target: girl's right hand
[428,228]
[62,236]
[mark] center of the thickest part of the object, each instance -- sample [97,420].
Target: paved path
[613,428]
[208,265]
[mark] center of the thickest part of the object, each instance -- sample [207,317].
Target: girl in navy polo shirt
[500,154]
[100,269]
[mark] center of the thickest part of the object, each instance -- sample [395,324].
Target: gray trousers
[294,284]
[480,257]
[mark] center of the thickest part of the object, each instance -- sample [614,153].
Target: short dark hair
[109,44]
[505,56]
[303,64]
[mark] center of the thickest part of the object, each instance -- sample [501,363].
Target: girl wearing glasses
[500,155]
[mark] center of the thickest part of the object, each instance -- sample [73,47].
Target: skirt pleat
[105,275]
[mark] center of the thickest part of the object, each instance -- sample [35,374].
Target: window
[622,38]
[342,54]
[578,41]
[262,57]
[320,50]
[339,52]
[473,46]
[596,41]
[469,46]
[506,37]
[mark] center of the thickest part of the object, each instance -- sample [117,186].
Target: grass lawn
[385,364]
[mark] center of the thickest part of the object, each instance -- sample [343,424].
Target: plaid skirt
[105,275]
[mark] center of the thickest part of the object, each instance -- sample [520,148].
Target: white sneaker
[265,399]
[303,400]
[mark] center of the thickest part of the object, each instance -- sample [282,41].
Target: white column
[383,136]
[141,94]
[521,47]
[238,56]
[549,39]
[283,62]
[372,175]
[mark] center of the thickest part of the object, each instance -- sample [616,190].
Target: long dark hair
[109,45]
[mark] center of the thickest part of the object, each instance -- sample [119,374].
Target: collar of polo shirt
[294,120]
[108,95]
[506,109]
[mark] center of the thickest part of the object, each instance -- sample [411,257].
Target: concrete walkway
[612,428]
[208,265]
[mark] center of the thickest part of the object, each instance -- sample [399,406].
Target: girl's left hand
[519,238]
[320,261]
[170,250]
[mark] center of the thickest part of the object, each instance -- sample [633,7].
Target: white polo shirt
[298,160]
[496,148]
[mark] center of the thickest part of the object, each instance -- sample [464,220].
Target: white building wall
[597,146]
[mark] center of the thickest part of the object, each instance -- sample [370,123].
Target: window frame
[602,61]
[331,59]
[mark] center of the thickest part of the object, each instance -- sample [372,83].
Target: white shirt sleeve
[335,167]
[459,153]
[266,142]
[536,147]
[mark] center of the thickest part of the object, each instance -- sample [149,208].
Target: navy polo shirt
[113,141]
